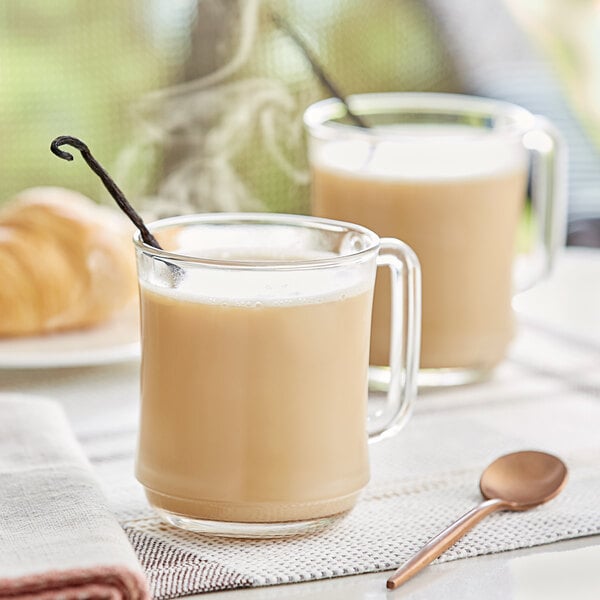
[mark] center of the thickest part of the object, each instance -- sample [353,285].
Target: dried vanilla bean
[109,184]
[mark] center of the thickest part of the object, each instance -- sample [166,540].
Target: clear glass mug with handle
[255,352]
[449,175]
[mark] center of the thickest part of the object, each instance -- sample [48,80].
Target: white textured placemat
[546,397]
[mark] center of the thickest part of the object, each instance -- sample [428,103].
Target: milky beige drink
[254,408]
[455,194]
[255,360]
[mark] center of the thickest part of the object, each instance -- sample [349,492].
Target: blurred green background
[196,105]
[71,67]
[74,67]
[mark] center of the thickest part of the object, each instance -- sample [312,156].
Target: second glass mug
[254,377]
[448,175]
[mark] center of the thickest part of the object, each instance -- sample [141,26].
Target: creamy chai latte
[455,196]
[254,397]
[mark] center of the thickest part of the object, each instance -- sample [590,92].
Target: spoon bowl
[515,482]
[524,479]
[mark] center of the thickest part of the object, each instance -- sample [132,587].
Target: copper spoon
[517,481]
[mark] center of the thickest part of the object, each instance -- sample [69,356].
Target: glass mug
[255,344]
[447,174]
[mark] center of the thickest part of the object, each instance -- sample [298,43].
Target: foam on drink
[247,287]
[423,153]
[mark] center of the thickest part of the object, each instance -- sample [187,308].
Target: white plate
[112,342]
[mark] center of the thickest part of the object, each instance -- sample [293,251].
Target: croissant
[65,262]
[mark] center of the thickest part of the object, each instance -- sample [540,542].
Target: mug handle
[548,196]
[405,337]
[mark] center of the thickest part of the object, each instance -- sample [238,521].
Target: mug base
[247,530]
[247,519]
[379,377]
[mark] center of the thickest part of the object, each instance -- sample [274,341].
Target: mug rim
[318,118]
[259,218]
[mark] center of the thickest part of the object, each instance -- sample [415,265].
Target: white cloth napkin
[58,539]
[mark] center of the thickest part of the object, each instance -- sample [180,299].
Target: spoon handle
[441,542]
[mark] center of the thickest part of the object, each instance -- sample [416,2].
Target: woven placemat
[545,397]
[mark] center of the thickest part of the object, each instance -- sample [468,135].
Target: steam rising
[191,137]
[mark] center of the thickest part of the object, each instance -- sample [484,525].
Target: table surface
[568,302]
